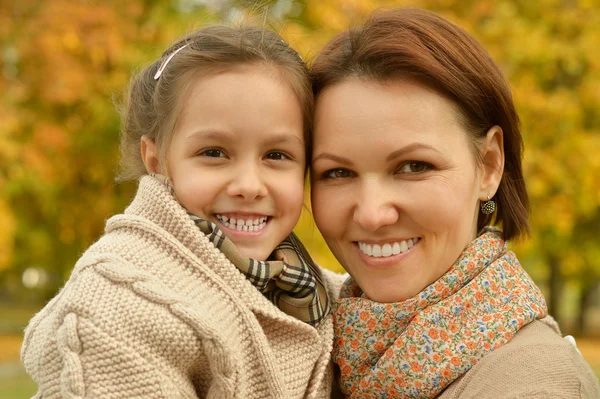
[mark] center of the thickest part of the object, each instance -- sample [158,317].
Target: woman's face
[395,184]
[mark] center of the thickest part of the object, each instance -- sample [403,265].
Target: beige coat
[537,363]
[153,310]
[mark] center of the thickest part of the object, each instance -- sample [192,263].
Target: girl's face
[396,187]
[237,157]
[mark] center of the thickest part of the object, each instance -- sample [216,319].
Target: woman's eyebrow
[410,148]
[332,157]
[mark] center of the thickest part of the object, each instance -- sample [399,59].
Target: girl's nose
[247,184]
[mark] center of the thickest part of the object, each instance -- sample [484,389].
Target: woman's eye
[276,155]
[338,173]
[414,167]
[213,153]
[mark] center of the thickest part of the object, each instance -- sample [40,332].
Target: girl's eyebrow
[209,134]
[284,138]
[212,134]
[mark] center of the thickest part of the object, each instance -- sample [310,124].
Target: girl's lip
[241,233]
[242,215]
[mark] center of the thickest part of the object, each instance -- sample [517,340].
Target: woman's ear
[150,155]
[492,155]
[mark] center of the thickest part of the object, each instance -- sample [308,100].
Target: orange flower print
[444,335]
[371,323]
[453,327]
[433,333]
[364,315]
[416,367]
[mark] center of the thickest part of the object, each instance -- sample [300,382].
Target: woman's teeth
[243,225]
[385,250]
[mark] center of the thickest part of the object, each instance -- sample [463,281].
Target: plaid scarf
[416,348]
[289,278]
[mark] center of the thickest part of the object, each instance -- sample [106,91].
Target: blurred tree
[63,61]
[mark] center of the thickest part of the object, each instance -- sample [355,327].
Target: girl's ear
[492,155]
[150,155]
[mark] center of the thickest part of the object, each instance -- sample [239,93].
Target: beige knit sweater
[153,310]
[537,363]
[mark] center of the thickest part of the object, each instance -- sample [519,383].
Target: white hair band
[164,65]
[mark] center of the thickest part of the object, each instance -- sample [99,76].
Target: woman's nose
[375,208]
[247,183]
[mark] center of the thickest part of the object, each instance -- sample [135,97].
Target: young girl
[200,289]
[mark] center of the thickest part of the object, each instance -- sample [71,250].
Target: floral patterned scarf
[289,278]
[416,348]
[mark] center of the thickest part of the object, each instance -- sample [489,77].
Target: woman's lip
[386,241]
[384,261]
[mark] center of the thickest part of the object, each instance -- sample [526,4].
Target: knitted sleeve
[115,332]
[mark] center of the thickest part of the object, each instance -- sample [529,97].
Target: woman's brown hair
[153,105]
[417,44]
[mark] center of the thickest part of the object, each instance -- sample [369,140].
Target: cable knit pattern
[153,310]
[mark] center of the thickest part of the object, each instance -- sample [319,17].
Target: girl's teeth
[378,251]
[243,225]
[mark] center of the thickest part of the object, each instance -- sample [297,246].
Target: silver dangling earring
[488,207]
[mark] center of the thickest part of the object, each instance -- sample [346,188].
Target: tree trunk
[555,284]
[589,286]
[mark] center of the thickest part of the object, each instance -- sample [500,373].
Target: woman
[416,150]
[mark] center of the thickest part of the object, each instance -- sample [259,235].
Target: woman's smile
[388,255]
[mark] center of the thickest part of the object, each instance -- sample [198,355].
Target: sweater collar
[160,212]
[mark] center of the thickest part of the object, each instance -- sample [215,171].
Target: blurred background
[63,63]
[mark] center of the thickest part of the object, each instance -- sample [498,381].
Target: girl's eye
[415,167]
[276,156]
[338,173]
[213,153]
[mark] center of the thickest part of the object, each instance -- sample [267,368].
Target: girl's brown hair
[153,106]
[420,45]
